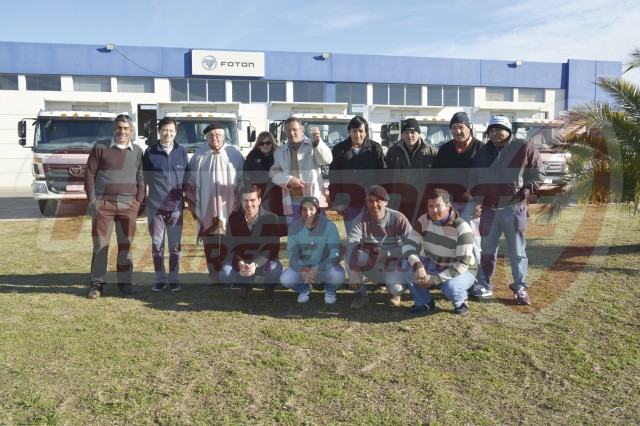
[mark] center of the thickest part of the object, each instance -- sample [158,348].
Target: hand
[339,208]
[295,183]
[355,280]
[477,211]
[309,274]
[315,134]
[247,269]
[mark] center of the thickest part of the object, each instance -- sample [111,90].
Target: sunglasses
[265,142]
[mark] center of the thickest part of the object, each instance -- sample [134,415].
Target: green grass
[202,356]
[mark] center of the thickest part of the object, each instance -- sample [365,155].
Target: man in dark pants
[164,165]
[114,184]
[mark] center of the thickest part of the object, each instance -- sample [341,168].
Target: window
[197,90]
[457,96]
[8,82]
[91,84]
[258,91]
[351,93]
[500,94]
[308,91]
[43,82]
[136,84]
[397,94]
[530,95]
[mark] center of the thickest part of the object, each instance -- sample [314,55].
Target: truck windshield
[541,136]
[54,135]
[435,134]
[331,132]
[191,137]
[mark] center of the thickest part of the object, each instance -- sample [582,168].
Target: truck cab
[544,136]
[61,145]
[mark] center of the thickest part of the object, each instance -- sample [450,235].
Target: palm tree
[604,142]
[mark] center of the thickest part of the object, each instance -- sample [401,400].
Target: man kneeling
[449,261]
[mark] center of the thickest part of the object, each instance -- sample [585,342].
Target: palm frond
[634,62]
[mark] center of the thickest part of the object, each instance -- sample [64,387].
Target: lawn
[202,356]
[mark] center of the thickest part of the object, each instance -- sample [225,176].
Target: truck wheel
[48,208]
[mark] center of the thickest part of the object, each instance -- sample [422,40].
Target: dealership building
[263,87]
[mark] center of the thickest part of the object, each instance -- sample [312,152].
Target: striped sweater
[449,246]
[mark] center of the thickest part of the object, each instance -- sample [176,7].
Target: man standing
[164,164]
[374,249]
[411,160]
[296,167]
[453,161]
[214,173]
[253,243]
[447,241]
[506,172]
[356,166]
[114,183]
[313,247]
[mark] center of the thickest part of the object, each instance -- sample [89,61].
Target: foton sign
[226,63]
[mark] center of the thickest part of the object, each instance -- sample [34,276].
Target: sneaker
[462,309]
[304,296]
[415,309]
[175,287]
[522,296]
[96,292]
[359,301]
[395,300]
[127,289]
[480,291]
[158,286]
[330,299]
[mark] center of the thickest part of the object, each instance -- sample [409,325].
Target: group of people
[416,218]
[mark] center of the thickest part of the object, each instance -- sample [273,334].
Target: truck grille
[58,176]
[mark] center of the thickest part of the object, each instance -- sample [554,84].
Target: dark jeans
[168,222]
[107,214]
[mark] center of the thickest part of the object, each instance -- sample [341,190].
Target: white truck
[433,130]
[193,118]
[333,129]
[61,145]
[543,134]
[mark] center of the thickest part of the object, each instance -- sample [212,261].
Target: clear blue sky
[540,30]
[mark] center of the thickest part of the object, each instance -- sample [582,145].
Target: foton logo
[222,63]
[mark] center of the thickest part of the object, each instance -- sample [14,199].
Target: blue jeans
[270,271]
[454,289]
[170,222]
[333,279]
[512,222]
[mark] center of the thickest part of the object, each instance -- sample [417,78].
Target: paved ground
[17,203]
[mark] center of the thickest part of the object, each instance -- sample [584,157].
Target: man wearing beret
[411,160]
[214,173]
[505,173]
[374,249]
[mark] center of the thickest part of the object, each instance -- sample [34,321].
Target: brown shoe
[395,300]
[269,293]
[359,301]
[244,292]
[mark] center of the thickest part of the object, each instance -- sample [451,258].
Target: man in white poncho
[214,173]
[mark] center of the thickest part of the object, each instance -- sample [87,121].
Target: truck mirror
[384,135]
[251,134]
[273,129]
[22,130]
[22,142]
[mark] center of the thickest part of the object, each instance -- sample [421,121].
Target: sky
[540,31]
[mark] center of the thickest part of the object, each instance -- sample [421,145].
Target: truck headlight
[39,188]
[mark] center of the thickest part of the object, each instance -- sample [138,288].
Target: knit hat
[211,127]
[312,200]
[501,122]
[460,117]
[410,124]
[378,191]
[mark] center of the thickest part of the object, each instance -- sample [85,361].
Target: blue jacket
[165,176]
